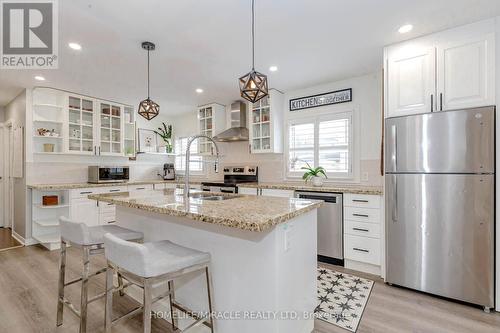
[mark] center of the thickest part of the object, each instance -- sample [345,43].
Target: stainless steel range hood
[238,130]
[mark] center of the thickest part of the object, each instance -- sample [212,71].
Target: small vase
[317,181]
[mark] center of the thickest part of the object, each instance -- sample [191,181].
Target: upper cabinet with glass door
[111,129]
[211,121]
[81,129]
[266,124]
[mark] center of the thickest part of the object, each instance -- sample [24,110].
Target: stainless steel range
[233,175]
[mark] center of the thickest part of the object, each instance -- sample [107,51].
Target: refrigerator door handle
[395,201]
[394,156]
[432,102]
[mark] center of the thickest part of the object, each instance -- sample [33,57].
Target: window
[196,164]
[321,141]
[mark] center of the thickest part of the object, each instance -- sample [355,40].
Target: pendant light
[147,108]
[253,85]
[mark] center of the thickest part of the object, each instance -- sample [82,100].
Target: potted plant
[166,134]
[314,174]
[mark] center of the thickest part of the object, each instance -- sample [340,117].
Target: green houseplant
[166,134]
[314,174]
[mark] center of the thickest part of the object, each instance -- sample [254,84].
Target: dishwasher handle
[330,198]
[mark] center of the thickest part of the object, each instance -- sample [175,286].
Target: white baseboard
[18,237]
[362,267]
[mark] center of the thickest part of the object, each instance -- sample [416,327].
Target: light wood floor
[6,239]
[28,286]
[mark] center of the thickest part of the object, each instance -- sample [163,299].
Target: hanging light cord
[253,34]
[148,73]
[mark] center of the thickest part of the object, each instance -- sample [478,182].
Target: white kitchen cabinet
[466,72]
[110,137]
[448,70]
[266,124]
[277,193]
[363,241]
[211,121]
[247,190]
[411,79]
[81,125]
[84,210]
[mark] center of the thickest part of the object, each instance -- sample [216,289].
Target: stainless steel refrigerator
[440,215]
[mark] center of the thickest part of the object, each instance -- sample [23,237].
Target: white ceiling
[207,44]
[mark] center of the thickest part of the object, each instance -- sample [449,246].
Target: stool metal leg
[171,299]
[60,296]
[209,293]
[148,299]
[109,299]
[120,284]
[84,293]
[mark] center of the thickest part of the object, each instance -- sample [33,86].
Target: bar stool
[147,264]
[91,241]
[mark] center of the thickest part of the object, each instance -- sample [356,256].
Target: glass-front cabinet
[111,129]
[266,124]
[81,122]
[211,121]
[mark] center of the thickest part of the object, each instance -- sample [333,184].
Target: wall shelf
[48,238]
[47,223]
[50,207]
[48,105]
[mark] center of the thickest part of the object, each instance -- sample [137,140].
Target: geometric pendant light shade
[147,108]
[253,85]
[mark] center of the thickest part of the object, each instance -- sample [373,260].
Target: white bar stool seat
[148,263]
[91,241]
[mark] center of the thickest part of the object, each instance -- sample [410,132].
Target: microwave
[103,174]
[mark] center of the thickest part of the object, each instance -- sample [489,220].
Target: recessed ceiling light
[405,28]
[199,90]
[273,68]
[39,78]
[75,46]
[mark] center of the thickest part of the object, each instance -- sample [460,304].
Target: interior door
[466,72]
[440,234]
[411,80]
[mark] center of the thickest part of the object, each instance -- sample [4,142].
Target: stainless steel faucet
[188,157]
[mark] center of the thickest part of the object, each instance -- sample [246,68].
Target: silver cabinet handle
[395,201]
[360,250]
[114,190]
[359,229]
[441,101]
[99,150]
[85,192]
[360,215]
[95,150]
[432,102]
[140,188]
[359,200]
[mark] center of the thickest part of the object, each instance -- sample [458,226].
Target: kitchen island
[263,255]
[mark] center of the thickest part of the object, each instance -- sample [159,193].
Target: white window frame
[304,117]
[182,154]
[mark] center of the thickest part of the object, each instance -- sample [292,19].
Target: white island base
[263,282]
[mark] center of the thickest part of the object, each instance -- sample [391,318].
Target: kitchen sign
[334,97]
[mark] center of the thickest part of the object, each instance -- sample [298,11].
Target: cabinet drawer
[362,200]
[114,189]
[107,208]
[108,218]
[247,190]
[83,192]
[362,249]
[356,228]
[369,215]
[144,187]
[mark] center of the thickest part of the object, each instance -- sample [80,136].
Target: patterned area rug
[342,298]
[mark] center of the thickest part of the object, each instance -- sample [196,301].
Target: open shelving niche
[45,225]
[48,113]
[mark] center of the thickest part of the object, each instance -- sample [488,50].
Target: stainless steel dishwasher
[330,226]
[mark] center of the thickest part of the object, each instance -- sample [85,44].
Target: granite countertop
[246,212]
[70,186]
[301,186]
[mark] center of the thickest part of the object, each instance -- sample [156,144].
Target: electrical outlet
[364,176]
